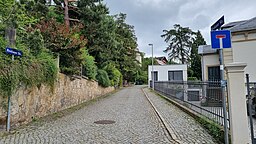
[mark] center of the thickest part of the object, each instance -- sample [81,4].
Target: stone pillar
[237,103]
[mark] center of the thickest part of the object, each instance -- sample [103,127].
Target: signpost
[217,25]
[221,39]
[13,52]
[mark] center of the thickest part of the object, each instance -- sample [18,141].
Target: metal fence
[251,106]
[202,97]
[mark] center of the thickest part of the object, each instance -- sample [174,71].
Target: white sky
[151,17]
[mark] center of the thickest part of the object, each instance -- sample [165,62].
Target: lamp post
[152,71]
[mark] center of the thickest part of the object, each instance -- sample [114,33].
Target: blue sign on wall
[221,39]
[14,52]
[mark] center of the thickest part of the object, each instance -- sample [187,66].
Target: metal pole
[81,70]
[250,106]
[223,85]
[9,108]
[152,72]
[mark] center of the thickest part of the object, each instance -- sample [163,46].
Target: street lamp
[152,71]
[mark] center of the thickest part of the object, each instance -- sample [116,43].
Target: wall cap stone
[235,67]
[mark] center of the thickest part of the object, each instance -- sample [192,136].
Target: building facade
[243,50]
[168,73]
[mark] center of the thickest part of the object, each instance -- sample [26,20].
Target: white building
[168,73]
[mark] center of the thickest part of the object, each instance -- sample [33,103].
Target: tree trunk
[66,14]
[10,36]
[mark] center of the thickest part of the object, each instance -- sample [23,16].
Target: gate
[251,105]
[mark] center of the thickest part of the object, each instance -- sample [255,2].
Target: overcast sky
[151,17]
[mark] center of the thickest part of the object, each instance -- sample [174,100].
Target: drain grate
[104,122]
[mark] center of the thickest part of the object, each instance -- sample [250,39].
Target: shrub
[103,79]
[89,66]
[141,78]
[114,74]
[29,70]
[192,79]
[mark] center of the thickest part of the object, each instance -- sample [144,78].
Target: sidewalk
[186,129]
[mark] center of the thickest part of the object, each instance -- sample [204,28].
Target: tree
[66,42]
[195,65]
[146,62]
[125,54]
[179,42]
[99,28]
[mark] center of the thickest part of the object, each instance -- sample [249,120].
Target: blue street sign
[218,24]
[14,52]
[221,39]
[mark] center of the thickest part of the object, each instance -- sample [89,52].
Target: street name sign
[218,24]
[14,52]
[221,39]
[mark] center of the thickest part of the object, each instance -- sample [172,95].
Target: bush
[89,66]
[141,78]
[114,74]
[103,79]
[192,79]
[29,70]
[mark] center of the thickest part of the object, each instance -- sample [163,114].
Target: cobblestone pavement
[135,120]
[187,130]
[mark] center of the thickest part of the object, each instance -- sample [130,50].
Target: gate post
[237,103]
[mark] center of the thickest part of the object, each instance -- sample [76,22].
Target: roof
[206,49]
[161,60]
[232,24]
[238,26]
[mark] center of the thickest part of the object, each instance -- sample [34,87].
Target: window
[214,73]
[155,75]
[175,76]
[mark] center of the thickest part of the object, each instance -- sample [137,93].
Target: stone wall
[39,102]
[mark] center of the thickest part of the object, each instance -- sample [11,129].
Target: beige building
[243,50]
[138,56]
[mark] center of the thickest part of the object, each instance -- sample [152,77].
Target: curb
[167,127]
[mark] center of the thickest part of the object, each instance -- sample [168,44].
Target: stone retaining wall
[39,102]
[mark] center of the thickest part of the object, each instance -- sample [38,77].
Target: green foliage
[42,36]
[214,129]
[179,42]
[28,71]
[141,77]
[147,62]
[103,79]
[65,42]
[114,74]
[195,66]
[192,79]
[89,66]
[53,13]
[120,81]
[110,39]
[35,42]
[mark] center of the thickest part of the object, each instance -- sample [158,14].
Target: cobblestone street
[186,129]
[135,122]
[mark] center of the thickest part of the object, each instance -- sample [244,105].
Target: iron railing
[202,97]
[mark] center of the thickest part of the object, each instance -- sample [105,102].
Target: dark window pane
[175,75]
[178,75]
[155,75]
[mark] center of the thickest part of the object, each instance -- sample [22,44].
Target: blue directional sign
[221,39]
[14,52]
